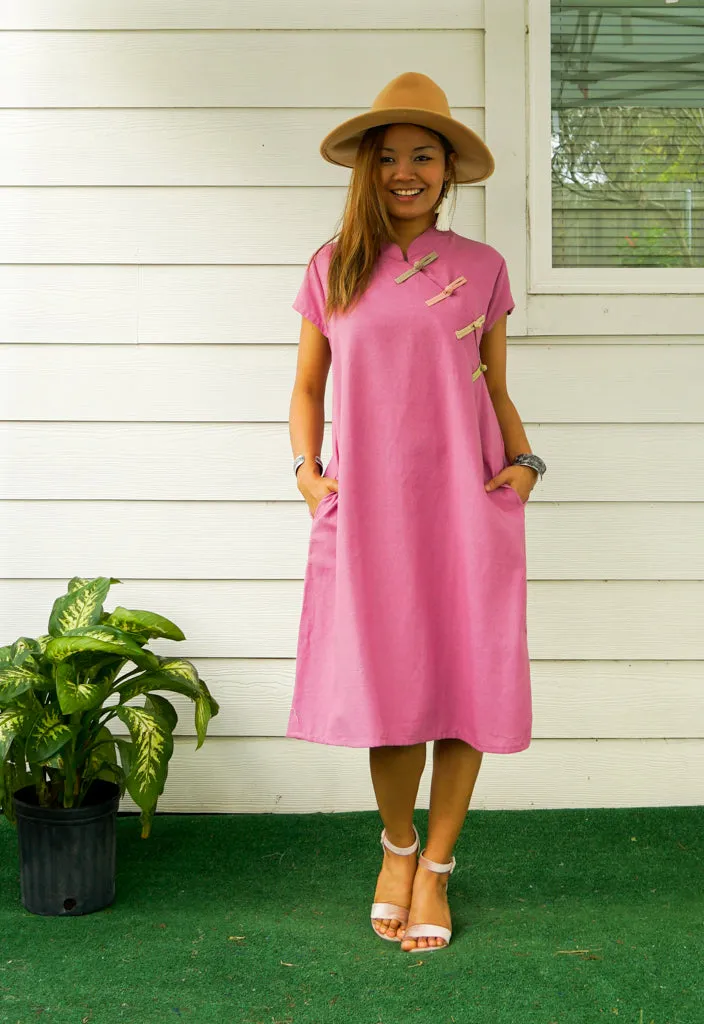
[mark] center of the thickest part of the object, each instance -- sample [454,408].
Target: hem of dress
[515,749]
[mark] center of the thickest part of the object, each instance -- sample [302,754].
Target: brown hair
[366,224]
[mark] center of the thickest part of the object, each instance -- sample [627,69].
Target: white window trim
[543,277]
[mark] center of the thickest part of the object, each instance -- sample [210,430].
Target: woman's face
[411,159]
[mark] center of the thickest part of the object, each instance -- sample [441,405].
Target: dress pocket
[320,507]
[515,494]
[511,495]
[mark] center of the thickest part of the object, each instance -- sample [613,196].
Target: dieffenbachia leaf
[81,606]
[143,623]
[48,734]
[100,637]
[74,693]
[153,745]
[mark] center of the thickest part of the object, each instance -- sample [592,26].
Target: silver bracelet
[300,459]
[534,461]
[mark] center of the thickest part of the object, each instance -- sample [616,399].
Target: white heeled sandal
[391,911]
[427,931]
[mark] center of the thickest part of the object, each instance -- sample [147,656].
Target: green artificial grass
[559,917]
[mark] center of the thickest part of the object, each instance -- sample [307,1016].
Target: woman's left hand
[521,478]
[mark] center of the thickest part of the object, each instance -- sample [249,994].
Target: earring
[443,219]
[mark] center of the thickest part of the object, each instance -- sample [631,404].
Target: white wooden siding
[160,192]
[177,225]
[206,146]
[229,68]
[138,15]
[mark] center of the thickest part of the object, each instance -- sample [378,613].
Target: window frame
[543,278]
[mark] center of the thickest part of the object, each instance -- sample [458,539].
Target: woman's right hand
[314,486]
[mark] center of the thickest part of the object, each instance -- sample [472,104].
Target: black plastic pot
[67,854]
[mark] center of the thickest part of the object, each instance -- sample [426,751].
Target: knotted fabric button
[447,290]
[418,265]
[471,327]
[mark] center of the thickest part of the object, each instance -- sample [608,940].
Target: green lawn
[569,917]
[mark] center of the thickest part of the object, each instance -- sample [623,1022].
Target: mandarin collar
[421,245]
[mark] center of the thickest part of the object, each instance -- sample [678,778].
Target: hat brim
[474,159]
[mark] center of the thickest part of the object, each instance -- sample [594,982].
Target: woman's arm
[493,354]
[307,411]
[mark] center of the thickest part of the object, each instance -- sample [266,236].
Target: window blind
[627,86]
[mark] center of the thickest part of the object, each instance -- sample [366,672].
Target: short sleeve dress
[413,617]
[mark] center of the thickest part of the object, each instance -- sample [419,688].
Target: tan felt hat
[412,98]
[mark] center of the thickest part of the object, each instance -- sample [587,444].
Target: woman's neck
[408,231]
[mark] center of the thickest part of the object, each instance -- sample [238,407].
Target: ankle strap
[433,865]
[402,850]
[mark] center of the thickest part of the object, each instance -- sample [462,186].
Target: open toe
[388,914]
[424,934]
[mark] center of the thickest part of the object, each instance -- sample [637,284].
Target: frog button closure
[447,290]
[471,327]
[479,370]
[418,265]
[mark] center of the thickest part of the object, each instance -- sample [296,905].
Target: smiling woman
[414,174]
[413,620]
[424,156]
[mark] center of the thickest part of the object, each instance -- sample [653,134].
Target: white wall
[160,193]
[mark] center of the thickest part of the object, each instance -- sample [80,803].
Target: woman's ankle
[402,836]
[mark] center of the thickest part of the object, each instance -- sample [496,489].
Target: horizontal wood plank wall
[214,15]
[151,248]
[155,146]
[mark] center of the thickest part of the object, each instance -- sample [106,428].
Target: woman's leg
[455,768]
[396,773]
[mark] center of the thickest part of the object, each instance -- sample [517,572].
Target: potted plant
[60,778]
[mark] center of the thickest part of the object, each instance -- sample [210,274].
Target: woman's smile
[406,195]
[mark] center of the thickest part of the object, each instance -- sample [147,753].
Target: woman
[413,624]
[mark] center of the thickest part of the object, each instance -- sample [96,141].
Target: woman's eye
[421,156]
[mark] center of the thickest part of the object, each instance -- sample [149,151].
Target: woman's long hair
[366,224]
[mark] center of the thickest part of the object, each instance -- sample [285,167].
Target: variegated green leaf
[153,746]
[49,734]
[102,749]
[177,675]
[162,707]
[13,722]
[100,638]
[28,655]
[101,762]
[56,762]
[42,641]
[28,701]
[183,671]
[76,582]
[13,776]
[81,606]
[74,693]
[16,679]
[101,671]
[147,624]
[203,714]
[45,682]
[23,646]
[111,773]
[126,751]
[6,655]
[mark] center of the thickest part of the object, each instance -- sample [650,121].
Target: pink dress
[413,619]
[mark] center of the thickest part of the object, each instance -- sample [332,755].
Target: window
[627,133]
